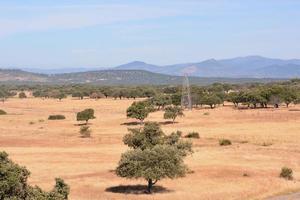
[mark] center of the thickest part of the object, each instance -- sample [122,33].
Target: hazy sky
[87,33]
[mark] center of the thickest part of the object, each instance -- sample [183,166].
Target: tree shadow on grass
[82,124]
[131,123]
[167,122]
[136,189]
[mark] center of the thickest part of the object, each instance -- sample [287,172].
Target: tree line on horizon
[252,95]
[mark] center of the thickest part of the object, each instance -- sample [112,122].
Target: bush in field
[172,112]
[13,183]
[86,115]
[153,155]
[56,117]
[22,95]
[85,131]
[2,112]
[286,173]
[192,135]
[224,142]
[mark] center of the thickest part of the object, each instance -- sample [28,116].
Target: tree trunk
[150,184]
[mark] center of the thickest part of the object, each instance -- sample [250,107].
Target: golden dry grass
[52,149]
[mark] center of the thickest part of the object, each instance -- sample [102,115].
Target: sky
[102,33]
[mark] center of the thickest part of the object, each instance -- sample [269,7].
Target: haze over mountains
[239,67]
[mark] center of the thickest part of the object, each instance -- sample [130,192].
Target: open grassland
[264,140]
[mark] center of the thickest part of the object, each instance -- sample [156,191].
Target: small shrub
[31,123]
[2,112]
[206,113]
[41,120]
[245,174]
[286,173]
[224,142]
[192,135]
[56,117]
[22,95]
[266,144]
[85,131]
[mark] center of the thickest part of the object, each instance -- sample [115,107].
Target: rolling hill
[111,77]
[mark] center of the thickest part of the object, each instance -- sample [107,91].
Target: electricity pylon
[186,100]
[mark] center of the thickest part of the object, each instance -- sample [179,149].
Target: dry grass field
[264,140]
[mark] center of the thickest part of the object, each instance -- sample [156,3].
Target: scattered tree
[139,110]
[153,155]
[172,112]
[86,115]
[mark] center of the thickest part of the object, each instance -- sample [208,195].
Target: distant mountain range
[240,67]
[111,77]
[235,70]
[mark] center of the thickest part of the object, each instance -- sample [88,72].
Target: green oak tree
[153,155]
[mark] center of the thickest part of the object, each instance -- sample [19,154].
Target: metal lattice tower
[186,100]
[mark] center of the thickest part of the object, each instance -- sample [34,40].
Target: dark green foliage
[22,95]
[13,183]
[176,99]
[224,142]
[13,179]
[153,155]
[86,115]
[286,173]
[147,137]
[139,110]
[61,187]
[171,112]
[2,112]
[192,135]
[56,117]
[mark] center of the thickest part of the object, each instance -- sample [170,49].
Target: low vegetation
[2,112]
[56,117]
[224,142]
[286,173]
[192,135]
[85,131]
[13,183]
